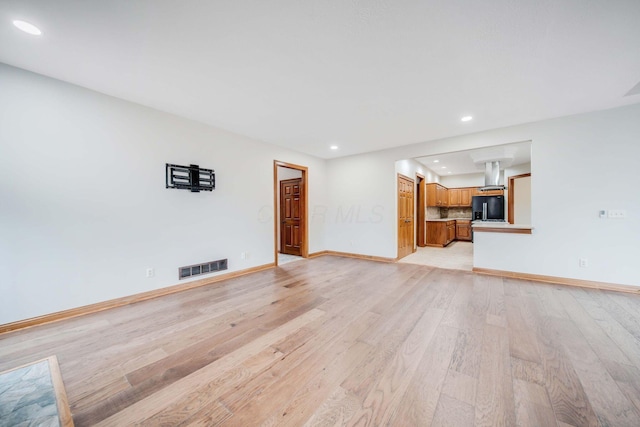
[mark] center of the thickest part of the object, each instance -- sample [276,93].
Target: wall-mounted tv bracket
[192,177]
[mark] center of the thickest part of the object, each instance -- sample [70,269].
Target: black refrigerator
[488,208]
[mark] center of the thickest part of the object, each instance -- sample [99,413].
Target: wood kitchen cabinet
[465,196]
[451,231]
[441,233]
[454,197]
[489,193]
[463,230]
[460,197]
[437,195]
[441,196]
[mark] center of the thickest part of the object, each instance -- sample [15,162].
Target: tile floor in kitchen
[286,258]
[456,256]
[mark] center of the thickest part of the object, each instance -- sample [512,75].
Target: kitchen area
[464,199]
[450,212]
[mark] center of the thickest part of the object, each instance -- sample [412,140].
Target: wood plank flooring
[339,341]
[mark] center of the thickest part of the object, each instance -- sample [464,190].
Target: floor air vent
[198,269]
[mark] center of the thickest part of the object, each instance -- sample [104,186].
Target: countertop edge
[502,228]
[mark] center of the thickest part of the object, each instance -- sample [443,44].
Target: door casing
[511,194]
[421,204]
[304,206]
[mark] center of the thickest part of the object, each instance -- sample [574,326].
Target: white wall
[83,206]
[516,170]
[568,188]
[466,180]
[410,168]
[360,216]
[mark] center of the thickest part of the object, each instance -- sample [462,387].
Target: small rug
[34,395]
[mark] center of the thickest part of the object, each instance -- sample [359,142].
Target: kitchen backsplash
[455,212]
[433,212]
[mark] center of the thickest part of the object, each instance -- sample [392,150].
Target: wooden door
[405,216]
[291,216]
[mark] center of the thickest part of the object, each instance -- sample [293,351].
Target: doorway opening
[519,199]
[452,179]
[290,219]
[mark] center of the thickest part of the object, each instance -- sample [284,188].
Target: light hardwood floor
[337,341]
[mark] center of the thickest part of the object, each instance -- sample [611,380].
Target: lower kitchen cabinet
[441,233]
[463,230]
[451,231]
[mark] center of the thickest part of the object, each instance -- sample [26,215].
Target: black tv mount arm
[192,177]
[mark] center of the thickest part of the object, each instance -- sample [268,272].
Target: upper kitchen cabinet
[437,195]
[490,193]
[465,196]
[454,197]
[460,196]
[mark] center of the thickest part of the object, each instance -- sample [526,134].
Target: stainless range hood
[492,176]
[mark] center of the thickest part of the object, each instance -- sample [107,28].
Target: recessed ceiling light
[466,118]
[436,161]
[27,27]
[334,147]
[449,172]
[443,167]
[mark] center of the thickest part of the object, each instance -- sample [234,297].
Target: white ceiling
[473,161]
[362,74]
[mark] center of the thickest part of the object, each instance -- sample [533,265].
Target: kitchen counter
[500,227]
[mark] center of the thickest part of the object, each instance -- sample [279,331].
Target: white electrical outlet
[617,213]
[247,255]
[150,272]
[583,262]
[243,255]
[602,214]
